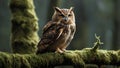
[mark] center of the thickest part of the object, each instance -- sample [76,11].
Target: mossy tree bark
[77,58]
[24,36]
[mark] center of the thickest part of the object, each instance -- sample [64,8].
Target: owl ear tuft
[71,8]
[57,9]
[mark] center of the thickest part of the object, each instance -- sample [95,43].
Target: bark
[24,36]
[77,58]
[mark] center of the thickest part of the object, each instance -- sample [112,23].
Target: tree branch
[97,43]
[75,58]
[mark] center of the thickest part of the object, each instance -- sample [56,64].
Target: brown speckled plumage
[58,33]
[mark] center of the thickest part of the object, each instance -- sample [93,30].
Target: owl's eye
[61,15]
[69,15]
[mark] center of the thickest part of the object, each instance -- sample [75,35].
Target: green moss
[5,60]
[76,58]
[21,3]
[118,56]
[24,35]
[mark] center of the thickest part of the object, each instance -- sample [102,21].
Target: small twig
[97,43]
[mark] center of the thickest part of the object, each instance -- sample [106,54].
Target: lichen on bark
[24,37]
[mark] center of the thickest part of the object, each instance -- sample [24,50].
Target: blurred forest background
[92,16]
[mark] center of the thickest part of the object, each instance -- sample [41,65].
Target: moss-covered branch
[75,58]
[24,36]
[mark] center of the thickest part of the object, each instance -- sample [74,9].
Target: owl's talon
[58,51]
[64,50]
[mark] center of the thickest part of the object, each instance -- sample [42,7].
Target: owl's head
[64,15]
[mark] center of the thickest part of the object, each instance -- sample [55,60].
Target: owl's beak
[65,18]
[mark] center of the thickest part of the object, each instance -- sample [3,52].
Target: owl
[58,33]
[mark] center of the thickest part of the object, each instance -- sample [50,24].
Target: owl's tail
[41,49]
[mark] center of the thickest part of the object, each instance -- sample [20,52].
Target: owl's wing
[51,33]
[48,25]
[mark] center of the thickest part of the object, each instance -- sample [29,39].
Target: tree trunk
[24,37]
[116,36]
